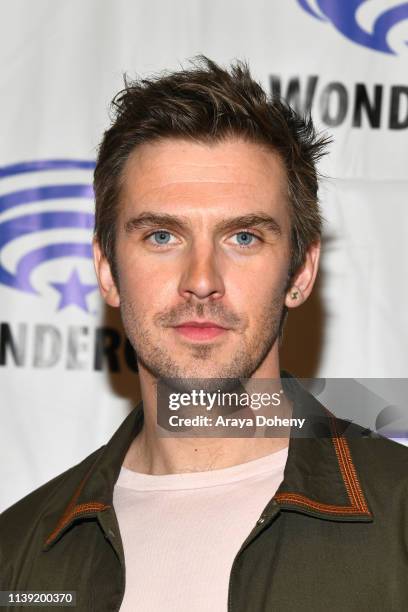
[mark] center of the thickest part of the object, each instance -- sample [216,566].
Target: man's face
[185,253]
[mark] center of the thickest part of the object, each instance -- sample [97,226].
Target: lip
[200,324]
[200,330]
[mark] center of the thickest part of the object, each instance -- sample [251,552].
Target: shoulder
[380,464]
[380,456]
[26,513]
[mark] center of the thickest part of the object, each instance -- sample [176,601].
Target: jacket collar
[94,492]
[320,478]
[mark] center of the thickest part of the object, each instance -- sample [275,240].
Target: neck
[154,453]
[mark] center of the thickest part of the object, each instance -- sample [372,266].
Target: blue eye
[245,238]
[161,237]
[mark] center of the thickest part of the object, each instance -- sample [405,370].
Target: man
[207,232]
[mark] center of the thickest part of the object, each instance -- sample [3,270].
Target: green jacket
[333,537]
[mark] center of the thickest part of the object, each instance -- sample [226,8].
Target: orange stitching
[356,482]
[347,468]
[358,503]
[347,476]
[67,513]
[345,473]
[346,464]
[306,501]
[80,509]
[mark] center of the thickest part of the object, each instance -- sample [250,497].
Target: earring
[294,294]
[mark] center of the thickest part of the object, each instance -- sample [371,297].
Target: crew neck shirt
[181,532]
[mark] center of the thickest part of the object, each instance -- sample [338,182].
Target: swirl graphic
[344,17]
[15,225]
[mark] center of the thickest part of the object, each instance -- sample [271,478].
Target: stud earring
[294,294]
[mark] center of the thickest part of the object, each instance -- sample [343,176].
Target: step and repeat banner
[68,376]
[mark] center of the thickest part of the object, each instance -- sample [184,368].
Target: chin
[206,381]
[200,373]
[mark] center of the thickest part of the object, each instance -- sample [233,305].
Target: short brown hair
[208,103]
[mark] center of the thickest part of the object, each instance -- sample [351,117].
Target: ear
[304,279]
[107,285]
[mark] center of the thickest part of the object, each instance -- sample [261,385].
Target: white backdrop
[65,377]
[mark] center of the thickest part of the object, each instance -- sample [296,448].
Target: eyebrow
[147,220]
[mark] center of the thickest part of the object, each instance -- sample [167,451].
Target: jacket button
[260,521]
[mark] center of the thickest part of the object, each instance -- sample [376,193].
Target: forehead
[173,174]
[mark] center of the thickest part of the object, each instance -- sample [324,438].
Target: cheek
[251,294]
[147,288]
[265,275]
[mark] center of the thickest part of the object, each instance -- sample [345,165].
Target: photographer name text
[222,421]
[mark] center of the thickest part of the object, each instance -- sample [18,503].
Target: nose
[201,276]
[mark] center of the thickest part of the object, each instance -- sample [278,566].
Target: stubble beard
[201,361]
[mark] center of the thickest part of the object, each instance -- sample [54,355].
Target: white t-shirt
[181,532]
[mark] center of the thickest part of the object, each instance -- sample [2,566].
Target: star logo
[73,292]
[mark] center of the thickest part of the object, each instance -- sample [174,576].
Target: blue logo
[364,22]
[28,214]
